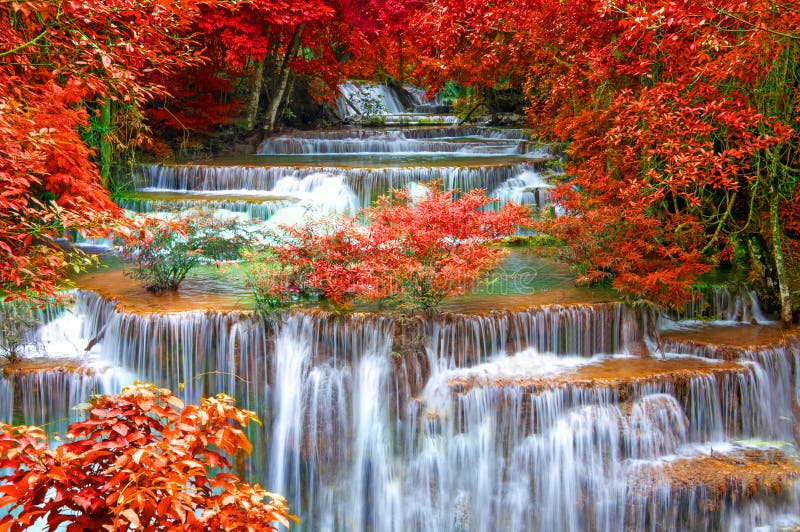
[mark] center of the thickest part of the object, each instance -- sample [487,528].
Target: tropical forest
[399,265]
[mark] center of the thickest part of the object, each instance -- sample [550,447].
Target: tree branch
[24,45]
[754,25]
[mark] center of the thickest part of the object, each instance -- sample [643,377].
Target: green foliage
[374,121]
[370,105]
[533,241]
[16,322]
[464,108]
[372,109]
[219,241]
[164,252]
[162,257]
[267,278]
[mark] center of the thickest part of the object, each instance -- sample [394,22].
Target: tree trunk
[287,99]
[283,80]
[780,266]
[468,117]
[350,104]
[255,96]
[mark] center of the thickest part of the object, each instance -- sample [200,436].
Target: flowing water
[532,406]
[345,170]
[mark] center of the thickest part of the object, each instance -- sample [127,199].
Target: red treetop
[414,253]
[59,61]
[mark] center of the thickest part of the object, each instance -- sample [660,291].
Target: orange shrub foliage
[140,460]
[414,253]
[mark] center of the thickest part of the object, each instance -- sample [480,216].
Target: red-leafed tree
[69,68]
[472,42]
[411,253]
[475,50]
[387,38]
[140,460]
[681,120]
[260,50]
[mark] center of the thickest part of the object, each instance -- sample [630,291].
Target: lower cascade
[547,418]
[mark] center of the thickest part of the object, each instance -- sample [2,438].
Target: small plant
[164,252]
[374,121]
[220,240]
[268,280]
[368,104]
[161,253]
[370,107]
[16,322]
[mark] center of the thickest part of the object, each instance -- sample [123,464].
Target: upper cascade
[364,100]
[344,170]
[453,140]
[358,99]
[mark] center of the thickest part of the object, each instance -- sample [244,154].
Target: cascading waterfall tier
[46,395]
[253,209]
[566,449]
[390,104]
[372,98]
[431,132]
[61,367]
[453,140]
[519,420]
[232,187]
[316,167]
[721,304]
[362,180]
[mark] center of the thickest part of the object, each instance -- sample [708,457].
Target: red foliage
[139,460]
[340,40]
[48,186]
[665,128]
[203,93]
[667,114]
[413,252]
[58,59]
[472,42]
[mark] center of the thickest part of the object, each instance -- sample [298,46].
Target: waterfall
[387,142]
[460,339]
[257,210]
[47,397]
[368,99]
[377,498]
[315,172]
[527,188]
[507,182]
[506,420]
[390,104]
[60,367]
[292,358]
[721,304]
